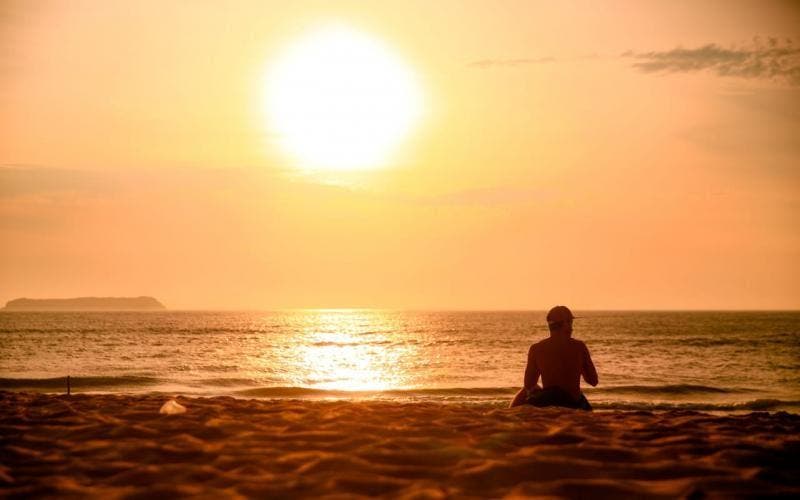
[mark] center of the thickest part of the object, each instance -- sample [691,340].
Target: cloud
[773,60]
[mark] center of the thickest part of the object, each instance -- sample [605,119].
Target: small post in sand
[68,388]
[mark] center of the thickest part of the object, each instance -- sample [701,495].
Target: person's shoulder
[540,343]
[536,345]
[578,343]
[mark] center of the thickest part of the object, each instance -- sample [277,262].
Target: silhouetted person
[560,360]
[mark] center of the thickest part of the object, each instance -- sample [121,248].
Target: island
[86,304]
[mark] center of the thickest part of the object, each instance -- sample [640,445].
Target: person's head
[559,320]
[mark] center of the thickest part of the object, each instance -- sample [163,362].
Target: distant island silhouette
[86,304]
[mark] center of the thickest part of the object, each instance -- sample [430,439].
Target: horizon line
[415,309]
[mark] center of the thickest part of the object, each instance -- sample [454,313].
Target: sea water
[712,361]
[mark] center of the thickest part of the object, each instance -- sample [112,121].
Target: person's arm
[588,370]
[531,371]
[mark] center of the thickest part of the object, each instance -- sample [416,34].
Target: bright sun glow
[339,100]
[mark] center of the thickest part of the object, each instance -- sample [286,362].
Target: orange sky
[623,155]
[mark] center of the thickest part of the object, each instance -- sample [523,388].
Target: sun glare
[338,99]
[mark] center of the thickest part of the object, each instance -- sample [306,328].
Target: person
[561,361]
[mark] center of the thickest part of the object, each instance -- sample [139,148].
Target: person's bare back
[560,360]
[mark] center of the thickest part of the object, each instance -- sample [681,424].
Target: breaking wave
[59,383]
[673,389]
[636,397]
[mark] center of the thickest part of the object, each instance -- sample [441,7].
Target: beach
[120,446]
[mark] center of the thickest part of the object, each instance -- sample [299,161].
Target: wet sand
[113,446]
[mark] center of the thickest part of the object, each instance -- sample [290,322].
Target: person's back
[561,361]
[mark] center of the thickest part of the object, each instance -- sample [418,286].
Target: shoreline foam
[627,398]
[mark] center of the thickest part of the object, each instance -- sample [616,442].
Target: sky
[614,155]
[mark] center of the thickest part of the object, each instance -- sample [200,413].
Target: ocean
[707,361]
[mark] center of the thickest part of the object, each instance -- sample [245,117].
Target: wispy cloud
[773,60]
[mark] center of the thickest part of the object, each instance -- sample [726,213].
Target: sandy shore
[120,446]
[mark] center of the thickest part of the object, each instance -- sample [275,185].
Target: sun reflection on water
[350,350]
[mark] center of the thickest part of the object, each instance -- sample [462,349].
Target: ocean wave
[59,383]
[645,392]
[328,343]
[226,382]
[460,391]
[49,330]
[669,389]
[291,392]
[283,392]
[754,405]
[500,396]
[493,396]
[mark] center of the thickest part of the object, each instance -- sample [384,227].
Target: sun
[338,99]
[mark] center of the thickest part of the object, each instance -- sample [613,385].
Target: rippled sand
[120,446]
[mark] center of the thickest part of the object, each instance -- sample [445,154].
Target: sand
[114,446]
